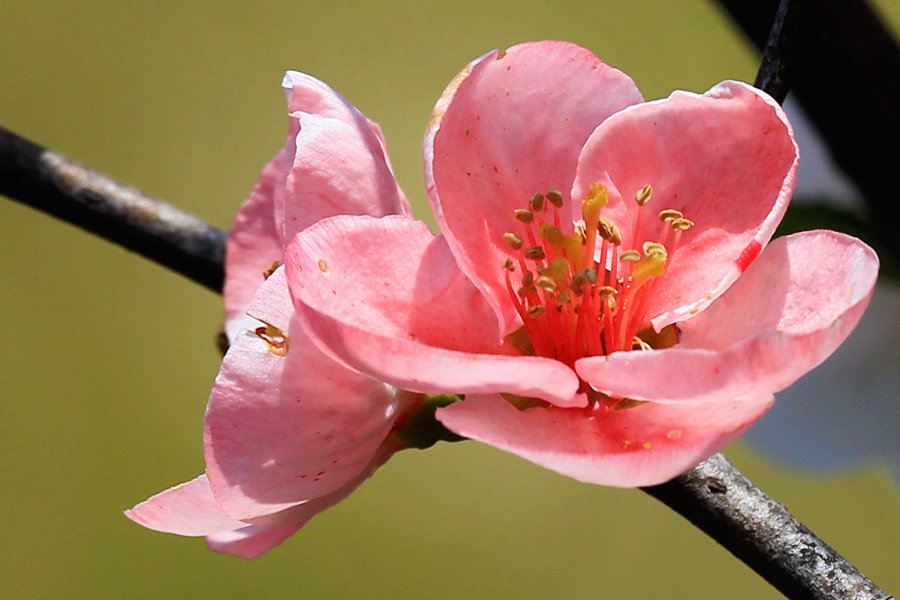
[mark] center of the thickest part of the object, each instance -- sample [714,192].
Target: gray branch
[123,215]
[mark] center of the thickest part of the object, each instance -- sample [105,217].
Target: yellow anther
[555,197]
[535,253]
[608,231]
[654,248]
[524,215]
[639,344]
[272,268]
[514,241]
[682,224]
[594,202]
[536,311]
[670,214]
[583,278]
[536,203]
[275,338]
[581,232]
[607,291]
[630,256]
[608,295]
[642,196]
[546,283]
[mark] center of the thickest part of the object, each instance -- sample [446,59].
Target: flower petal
[385,297]
[638,446]
[254,244]
[251,541]
[507,127]
[186,509]
[271,530]
[340,165]
[788,312]
[726,159]
[286,425]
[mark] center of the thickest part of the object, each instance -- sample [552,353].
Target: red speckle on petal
[748,255]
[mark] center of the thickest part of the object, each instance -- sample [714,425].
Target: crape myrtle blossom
[603,290]
[288,431]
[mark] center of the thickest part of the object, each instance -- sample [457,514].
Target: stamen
[535,253]
[272,268]
[555,198]
[279,344]
[642,196]
[608,231]
[572,304]
[524,215]
[537,311]
[514,241]
[546,283]
[670,214]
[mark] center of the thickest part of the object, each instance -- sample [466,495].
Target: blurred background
[107,359]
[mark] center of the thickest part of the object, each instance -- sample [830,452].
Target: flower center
[576,300]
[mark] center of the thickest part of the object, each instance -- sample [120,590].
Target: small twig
[724,504]
[69,191]
[844,73]
[774,75]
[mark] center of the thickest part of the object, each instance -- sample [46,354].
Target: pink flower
[288,431]
[602,291]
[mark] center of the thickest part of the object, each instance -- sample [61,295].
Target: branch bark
[61,187]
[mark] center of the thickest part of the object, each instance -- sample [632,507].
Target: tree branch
[101,205]
[725,505]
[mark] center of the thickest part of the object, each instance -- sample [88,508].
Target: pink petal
[385,297]
[507,127]
[726,159]
[254,243]
[788,312]
[638,446]
[340,166]
[284,428]
[186,509]
[251,541]
[271,530]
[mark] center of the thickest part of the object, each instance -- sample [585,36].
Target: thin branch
[724,504]
[845,65]
[101,205]
[775,71]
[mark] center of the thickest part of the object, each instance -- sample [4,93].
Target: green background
[107,359]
